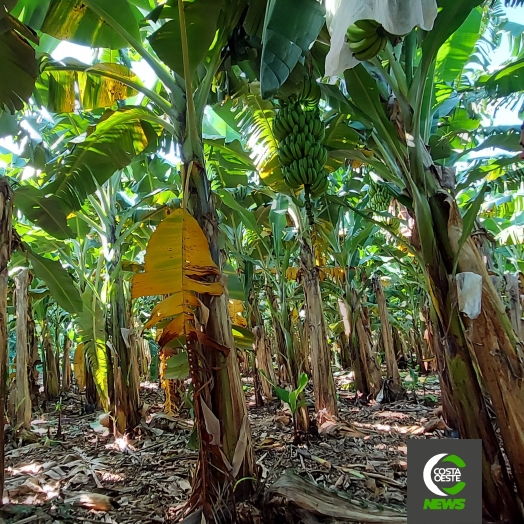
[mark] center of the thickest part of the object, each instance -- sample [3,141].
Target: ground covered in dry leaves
[86,475]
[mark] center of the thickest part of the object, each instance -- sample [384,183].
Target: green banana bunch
[379,196]
[367,39]
[380,200]
[394,223]
[310,96]
[299,131]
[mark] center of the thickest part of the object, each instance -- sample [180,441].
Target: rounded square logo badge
[444,481]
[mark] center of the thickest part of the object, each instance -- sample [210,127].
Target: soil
[87,475]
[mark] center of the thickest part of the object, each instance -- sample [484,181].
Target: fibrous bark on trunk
[125,364]
[264,361]
[495,347]
[145,357]
[323,383]
[51,373]
[262,348]
[304,351]
[368,356]
[22,400]
[387,335]
[283,372]
[463,401]
[6,238]
[34,356]
[350,340]
[345,352]
[346,359]
[515,307]
[224,394]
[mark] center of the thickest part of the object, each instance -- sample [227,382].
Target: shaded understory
[147,478]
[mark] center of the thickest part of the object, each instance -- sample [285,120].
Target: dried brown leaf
[240,448]
[212,423]
[94,501]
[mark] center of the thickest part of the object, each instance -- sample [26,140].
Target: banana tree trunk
[387,336]
[368,357]
[515,307]
[262,348]
[51,373]
[346,360]
[462,394]
[145,357]
[289,365]
[257,386]
[125,363]
[22,400]
[92,398]
[350,340]
[283,371]
[323,383]
[304,350]
[6,237]
[223,394]
[34,357]
[400,347]
[420,347]
[66,365]
[496,349]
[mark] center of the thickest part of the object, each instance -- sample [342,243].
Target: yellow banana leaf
[236,311]
[177,261]
[79,367]
[335,273]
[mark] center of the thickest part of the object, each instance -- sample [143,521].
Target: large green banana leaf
[201,17]
[456,51]
[508,80]
[452,14]
[58,281]
[111,145]
[72,20]
[49,212]
[18,65]
[90,325]
[290,28]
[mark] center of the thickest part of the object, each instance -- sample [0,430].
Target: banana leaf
[73,21]
[290,28]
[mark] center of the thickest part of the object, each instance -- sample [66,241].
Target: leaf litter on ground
[89,476]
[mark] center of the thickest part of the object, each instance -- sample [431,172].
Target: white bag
[398,17]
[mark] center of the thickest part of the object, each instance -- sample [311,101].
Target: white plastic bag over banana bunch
[398,17]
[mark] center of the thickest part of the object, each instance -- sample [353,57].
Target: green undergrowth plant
[291,397]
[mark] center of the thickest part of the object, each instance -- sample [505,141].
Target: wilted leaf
[212,423]
[177,260]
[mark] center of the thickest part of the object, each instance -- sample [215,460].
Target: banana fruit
[366,38]
[299,132]
[379,201]
[310,96]
[379,196]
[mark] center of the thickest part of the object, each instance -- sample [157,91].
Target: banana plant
[401,137]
